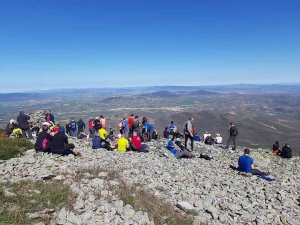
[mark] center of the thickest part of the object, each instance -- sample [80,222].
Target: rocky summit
[208,190]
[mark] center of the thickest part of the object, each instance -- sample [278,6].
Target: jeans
[186,137]
[149,134]
[28,132]
[92,132]
[74,133]
[233,140]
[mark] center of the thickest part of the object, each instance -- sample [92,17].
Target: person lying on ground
[60,144]
[175,150]
[136,143]
[246,164]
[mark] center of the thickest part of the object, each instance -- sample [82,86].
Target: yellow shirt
[17,132]
[103,133]
[122,144]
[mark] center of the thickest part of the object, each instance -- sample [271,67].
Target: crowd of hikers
[132,136]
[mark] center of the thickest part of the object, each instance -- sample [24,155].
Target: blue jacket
[148,126]
[96,142]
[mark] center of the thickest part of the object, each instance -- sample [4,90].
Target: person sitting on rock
[136,143]
[166,133]
[104,135]
[10,127]
[122,143]
[246,164]
[209,140]
[276,148]
[96,142]
[197,137]
[23,121]
[286,152]
[60,144]
[155,135]
[49,117]
[172,128]
[17,132]
[218,139]
[175,150]
[43,140]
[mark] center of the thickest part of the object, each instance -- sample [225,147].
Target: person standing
[130,125]
[73,126]
[81,126]
[233,133]
[91,128]
[23,121]
[188,133]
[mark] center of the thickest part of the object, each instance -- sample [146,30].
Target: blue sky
[47,44]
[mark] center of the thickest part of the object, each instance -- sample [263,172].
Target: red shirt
[130,122]
[136,142]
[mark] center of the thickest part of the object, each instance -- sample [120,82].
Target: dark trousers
[233,140]
[186,137]
[92,132]
[28,132]
[257,172]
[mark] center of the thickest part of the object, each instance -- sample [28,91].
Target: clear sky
[47,44]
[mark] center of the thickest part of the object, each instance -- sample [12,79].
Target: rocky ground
[209,190]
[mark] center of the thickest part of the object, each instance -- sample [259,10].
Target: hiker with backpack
[188,133]
[73,126]
[23,121]
[166,133]
[43,140]
[233,133]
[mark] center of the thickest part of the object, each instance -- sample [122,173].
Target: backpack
[136,124]
[235,131]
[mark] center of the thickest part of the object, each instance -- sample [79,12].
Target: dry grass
[159,211]
[30,197]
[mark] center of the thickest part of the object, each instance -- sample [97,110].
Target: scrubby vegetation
[19,200]
[10,148]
